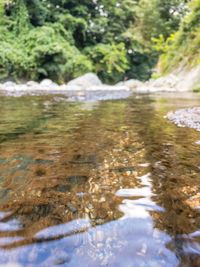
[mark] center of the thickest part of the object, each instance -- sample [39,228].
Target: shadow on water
[98,184]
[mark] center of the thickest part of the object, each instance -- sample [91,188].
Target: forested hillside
[62,39]
[183,48]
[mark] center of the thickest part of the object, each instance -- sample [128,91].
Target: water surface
[109,183]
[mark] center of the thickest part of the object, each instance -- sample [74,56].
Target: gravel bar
[189,117]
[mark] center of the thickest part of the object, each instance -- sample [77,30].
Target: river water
[91,184]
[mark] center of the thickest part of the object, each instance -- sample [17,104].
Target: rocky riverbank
[90,87]
[189,117]
[91,82]
[86,87]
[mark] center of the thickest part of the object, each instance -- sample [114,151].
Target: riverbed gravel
[189,117]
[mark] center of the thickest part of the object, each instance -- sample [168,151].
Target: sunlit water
[109,183]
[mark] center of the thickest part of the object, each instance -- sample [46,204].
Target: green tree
[184,46]
[158,17]
[110,61]
[62,39]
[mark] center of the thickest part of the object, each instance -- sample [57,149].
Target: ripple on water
[140,207]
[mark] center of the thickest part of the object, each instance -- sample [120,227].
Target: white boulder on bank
[189,78]
[181,80]
[47,84]
[32,84]
[8,86]
[169,81]
[85,81]
[163,84]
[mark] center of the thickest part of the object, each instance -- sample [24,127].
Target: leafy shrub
[110,60]
[62,39]
[42,52]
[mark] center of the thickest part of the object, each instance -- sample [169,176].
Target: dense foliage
[62,39]
[183,47]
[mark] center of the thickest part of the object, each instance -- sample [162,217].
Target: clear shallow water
[109,183]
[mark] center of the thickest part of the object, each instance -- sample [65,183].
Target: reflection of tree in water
[174,177]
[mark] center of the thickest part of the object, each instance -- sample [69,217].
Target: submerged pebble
[71,207]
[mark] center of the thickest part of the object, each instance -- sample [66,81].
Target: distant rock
[21,87]
[32,84]
[48,84]
[189,78]
[169,81]
[9,83]
[9,86]
[85,81]
[163,84]
[131,84]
